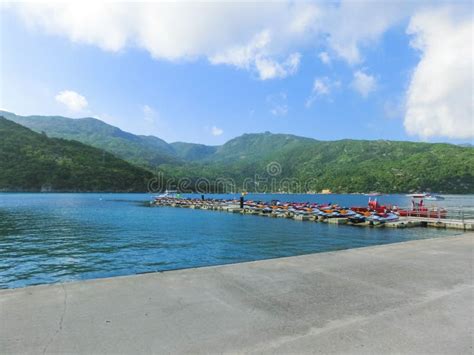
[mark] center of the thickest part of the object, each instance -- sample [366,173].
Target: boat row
[426,196]
[373,213]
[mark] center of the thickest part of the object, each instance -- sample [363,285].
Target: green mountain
[301,164]
[146,151]
[192,151]
[31,161]
[254,147]
[286,162]
[385,166]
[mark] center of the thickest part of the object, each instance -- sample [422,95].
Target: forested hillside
[31,161]
[146,151]
[342,166]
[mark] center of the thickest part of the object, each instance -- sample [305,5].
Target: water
[47,238]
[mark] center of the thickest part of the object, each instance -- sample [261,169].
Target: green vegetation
[146,151]
[342,166]
[304,164]
[31,161]
[192,152]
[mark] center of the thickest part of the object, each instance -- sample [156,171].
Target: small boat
[168,193]
[424,212]
[389,217]
[372,206]
[373,194]
[382,218]
[419,210]
[347,213]
[434,198]
[422,195]
[358,218]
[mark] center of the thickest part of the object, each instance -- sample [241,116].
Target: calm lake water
[47,238]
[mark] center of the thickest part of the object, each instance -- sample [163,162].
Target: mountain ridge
[14,117]
[345,165]
[31,161]
[146,151]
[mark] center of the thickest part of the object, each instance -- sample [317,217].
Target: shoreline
[411,297]
[454,235]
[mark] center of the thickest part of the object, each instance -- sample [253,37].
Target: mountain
[259,146]
[146,151]
[150,151]
[31,161]
[192,151]
[299,164]
[386,166]
[289,162]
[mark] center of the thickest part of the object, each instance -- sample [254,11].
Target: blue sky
[313,84]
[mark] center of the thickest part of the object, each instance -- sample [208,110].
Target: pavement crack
[333,325]
[61,320]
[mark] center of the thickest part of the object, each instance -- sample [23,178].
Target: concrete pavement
[413,297]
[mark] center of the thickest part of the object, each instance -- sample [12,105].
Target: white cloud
[254,56]
[258,36]
[310,101]
[325,58]
[364,83]
[242,56]
[149,114]
[321,87]
[270,69]
[440,96]
[279,110]
[351,25]
[267,38]
[278,104]
[72,100]
[215,131]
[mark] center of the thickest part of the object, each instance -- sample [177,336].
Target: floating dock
[234,207]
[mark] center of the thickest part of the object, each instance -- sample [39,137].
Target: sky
[208,72]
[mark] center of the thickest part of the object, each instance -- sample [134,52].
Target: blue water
[47,238]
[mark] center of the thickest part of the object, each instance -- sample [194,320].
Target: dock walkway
[465,224]
[414,298]
[448,223]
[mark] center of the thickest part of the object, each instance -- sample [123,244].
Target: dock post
[241,202]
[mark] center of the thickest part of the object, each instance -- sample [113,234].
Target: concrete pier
[413,297]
